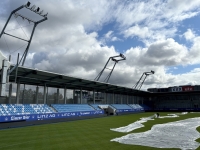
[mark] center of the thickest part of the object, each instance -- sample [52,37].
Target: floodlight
[33,7]
[40,13]
[45,15]
[28,4]
[121,55]
[14,12]
[38,9]
[139,84]
[116,59]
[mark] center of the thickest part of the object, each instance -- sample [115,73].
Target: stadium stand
[121,106]
[21,109]
[96,106]
[136,107]
[72,107]
[145,107]
[180,104]
[25,109]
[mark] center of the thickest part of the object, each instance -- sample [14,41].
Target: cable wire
[18,48]
[21,27]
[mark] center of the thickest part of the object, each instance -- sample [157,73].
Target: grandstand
[88,97]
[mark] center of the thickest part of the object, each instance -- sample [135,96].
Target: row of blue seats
[121,106]
[72,107]
[130,106]
[19,109]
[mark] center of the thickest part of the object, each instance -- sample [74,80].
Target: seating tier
[21,109]
[72,107]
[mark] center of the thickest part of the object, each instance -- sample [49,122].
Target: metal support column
[105,96]
[65,95]
[18,92]
[45,94]
[57,96]
[36,95]
[113,98]
[10,93]
[81,96]
[23,94]
[133,99]
[93,96]
[73,96]
[4,69]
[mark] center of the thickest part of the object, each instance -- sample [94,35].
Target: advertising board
[31,117]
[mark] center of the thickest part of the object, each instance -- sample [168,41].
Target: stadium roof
[37,77]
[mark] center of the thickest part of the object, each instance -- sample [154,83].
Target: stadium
[90,114]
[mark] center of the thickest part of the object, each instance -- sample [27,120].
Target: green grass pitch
[90,134]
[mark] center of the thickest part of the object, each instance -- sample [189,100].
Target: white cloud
[195,70]
[108,35]
[142,32]
[68,42]
[189,35]
[158,21]
[175,68]
[167,52]
[115,39]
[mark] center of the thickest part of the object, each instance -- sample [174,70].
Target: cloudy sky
[79,37]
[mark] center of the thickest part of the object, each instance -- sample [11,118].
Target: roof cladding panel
[39,77]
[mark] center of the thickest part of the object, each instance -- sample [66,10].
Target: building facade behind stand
[185,97]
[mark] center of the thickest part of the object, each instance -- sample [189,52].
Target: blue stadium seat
[72,107]
[121,106]
[21,109]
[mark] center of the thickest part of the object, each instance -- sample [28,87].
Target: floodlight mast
[37,11]
[113,58]
[140,82]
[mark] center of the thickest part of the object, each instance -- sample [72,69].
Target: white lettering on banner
[177,89]
[42,116]
[98,112]
[26,117]
[16,118]
[84,113]
[52,115]
[188,89]
[68,114]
